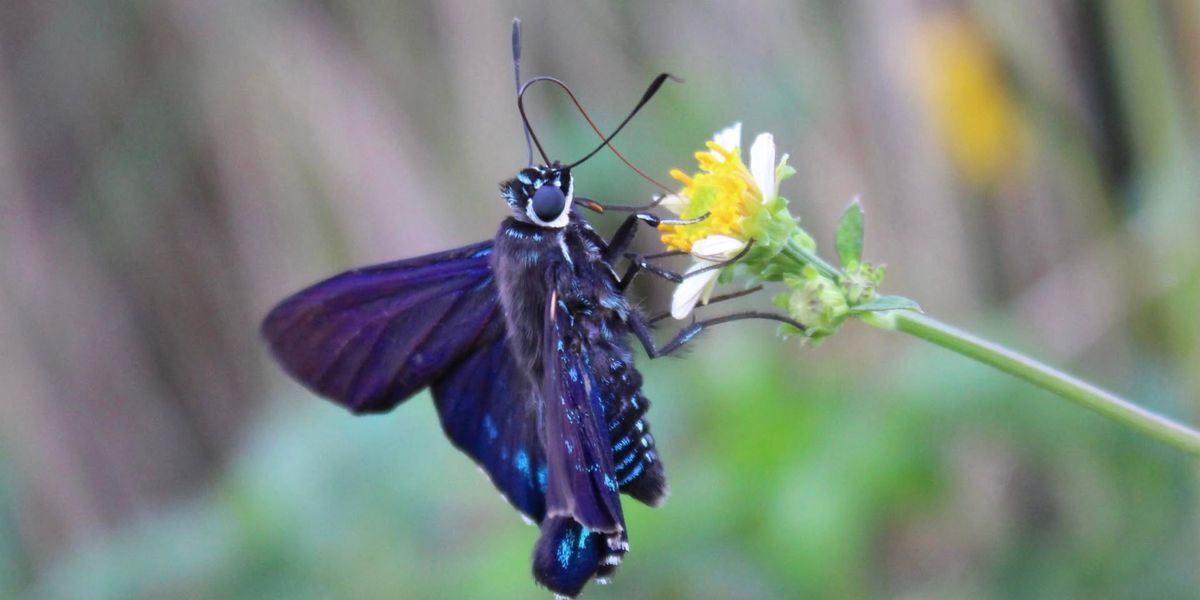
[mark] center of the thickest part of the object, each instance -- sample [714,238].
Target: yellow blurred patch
[961,85]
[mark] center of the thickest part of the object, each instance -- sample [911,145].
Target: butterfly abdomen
[638,470]
[604,319]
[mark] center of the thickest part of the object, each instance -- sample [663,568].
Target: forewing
[488,412]
[581,483]
[372,337]
[583,534]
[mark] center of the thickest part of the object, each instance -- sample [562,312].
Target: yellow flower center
[724,189]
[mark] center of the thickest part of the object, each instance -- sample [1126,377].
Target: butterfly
[525,343]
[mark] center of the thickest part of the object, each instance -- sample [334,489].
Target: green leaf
[880,303]
[786,330]
[803,239]
[850,234]
[781,300]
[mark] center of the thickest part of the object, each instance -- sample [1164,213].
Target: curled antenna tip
[650,92]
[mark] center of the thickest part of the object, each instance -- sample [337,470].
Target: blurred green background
[170,169]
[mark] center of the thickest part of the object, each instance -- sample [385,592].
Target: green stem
[803,256]
[1013,363]
[1050,379]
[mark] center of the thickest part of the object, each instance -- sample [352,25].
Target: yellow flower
[731,194]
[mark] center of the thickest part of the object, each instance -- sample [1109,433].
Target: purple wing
[370,338]
[583,535]
[487,411]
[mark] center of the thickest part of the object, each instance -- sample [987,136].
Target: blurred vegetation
[170,169]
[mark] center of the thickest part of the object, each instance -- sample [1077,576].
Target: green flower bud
[820,304]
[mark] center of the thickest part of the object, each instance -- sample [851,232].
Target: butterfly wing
[584,532]
[370,338]
[487,410]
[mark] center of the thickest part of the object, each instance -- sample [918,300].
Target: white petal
[689,291]
[708,292]
[762,165]
[717,248]
[674,203]
[729,138]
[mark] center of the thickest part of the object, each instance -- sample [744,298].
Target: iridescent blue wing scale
[487,411]
[370,338]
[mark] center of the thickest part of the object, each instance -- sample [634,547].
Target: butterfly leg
[642,330]
[711,301]
[667,254]
[624,235]
[638,263]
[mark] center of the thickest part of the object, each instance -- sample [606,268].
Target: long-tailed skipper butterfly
[524,341]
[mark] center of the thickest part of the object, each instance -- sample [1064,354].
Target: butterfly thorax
[533,264]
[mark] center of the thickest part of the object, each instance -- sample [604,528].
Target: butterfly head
[541,195]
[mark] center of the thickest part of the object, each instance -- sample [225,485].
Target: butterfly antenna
[653,89]
[525,119]
[516,53]
[588,118]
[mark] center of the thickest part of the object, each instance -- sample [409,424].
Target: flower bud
[859,287]
[820,305]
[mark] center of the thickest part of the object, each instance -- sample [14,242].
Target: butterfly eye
[548,202]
